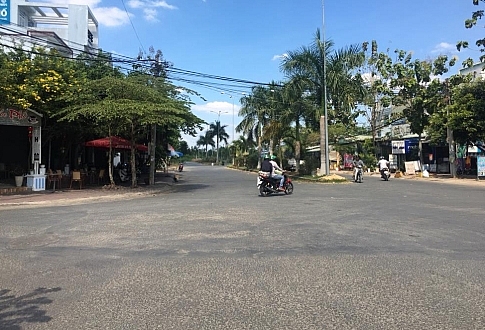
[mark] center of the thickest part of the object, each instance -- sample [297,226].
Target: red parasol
[116,143]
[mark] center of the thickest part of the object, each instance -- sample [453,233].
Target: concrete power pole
[151,178]
[323,147]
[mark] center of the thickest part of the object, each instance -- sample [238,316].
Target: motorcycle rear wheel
[263,191]
[289,188]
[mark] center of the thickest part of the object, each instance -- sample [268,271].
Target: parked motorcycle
[385,174]
[124,172]
[181,167]
[267,185]
[359,174]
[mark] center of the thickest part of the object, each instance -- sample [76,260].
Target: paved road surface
[211,254]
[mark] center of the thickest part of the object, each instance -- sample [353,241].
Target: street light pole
[218,124]
[327,165]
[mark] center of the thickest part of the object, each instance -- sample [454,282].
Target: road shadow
[189,187]
[15,310]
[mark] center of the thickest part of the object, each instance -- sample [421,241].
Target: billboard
[4,11]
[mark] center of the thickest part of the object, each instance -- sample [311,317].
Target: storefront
[20,145]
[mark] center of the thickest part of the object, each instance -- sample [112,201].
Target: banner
[480,165]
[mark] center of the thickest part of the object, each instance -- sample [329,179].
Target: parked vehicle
[267,185]
[385,174]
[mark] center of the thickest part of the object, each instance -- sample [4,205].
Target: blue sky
[245,39]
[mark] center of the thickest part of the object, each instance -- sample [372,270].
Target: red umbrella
[116,143]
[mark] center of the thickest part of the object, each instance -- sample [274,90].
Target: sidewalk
[89,194]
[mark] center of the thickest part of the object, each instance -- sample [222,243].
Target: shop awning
[116,143]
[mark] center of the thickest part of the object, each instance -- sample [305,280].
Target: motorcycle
[359,174]
[267,185]
[385,174]
[124,172]
[181,167]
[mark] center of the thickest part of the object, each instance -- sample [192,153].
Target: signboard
[398,147]
[4,11]
[410,169]
[36,144]
[410,144]
[9,116]
[480,165]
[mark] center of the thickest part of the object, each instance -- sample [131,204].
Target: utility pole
[151,177]
[449,134]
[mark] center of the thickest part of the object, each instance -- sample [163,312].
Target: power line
[133,26]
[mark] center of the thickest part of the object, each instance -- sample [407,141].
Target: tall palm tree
[343,85]
[298,106]
[206,140]
[218,131]
[255,110]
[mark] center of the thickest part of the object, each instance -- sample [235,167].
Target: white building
[477,70]
[71,29]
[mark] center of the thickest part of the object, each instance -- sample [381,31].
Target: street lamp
[233,128]
[327,165]
[218,124]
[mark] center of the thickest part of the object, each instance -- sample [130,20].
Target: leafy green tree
[412,79]
[480,43]
[126,107]
[467,112]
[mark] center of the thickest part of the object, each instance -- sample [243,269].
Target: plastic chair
[52,178]
[101,176]
[76,176]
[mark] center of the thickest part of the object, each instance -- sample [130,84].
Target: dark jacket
[266,166]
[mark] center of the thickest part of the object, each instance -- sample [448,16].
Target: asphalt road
[212,254]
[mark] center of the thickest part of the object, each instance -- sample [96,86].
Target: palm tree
[255,109]
[206,140]
[219,132]
[331,77]
[343,85]
[298,106]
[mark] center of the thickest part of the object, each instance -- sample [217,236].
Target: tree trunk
[297,145]
[110,160]
[420,152]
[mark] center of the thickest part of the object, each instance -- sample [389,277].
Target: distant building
[71,29]
[477,70]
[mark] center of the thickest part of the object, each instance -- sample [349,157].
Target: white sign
[410,168]
[398,147]
[35,144]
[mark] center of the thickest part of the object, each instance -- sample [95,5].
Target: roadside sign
[480,165]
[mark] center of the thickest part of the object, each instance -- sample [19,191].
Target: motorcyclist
[266,165]
[383,164]
[356,163]
[275,175]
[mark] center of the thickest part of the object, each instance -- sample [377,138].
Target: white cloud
[279,57]
[444,48]
[111,16]
[150,14]
[149,4]
[117,16]
[224,107]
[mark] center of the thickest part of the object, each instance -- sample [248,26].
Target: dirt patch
[332,178]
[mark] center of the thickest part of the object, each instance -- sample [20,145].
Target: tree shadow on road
[24,309]
[190,187]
